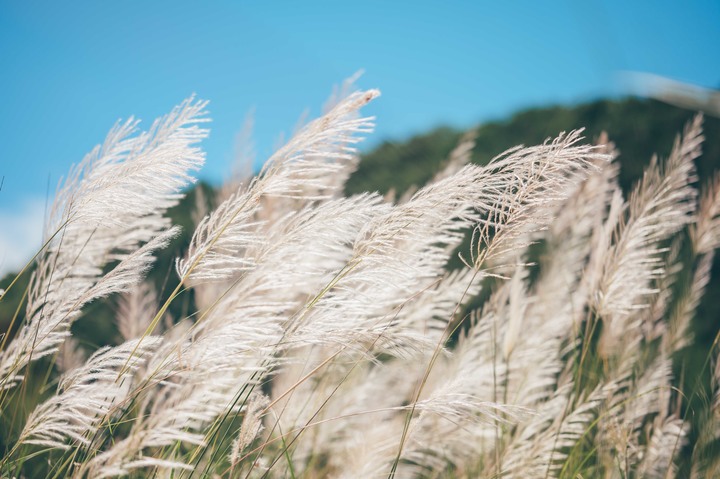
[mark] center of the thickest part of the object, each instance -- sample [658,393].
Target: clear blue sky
[69,70]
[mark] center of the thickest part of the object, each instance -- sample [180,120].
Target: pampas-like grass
[330,339]
[86,395]
[111,204]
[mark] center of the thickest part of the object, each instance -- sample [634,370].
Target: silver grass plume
[135,311]
[660,205]
[220,240]
[543,445]
[112,203]
[70,355]
[86,396]
[705,233]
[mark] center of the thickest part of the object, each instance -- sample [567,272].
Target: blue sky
[68,71]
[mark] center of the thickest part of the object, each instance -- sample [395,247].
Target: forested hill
[639,128]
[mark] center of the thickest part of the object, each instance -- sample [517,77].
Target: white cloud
[20,234]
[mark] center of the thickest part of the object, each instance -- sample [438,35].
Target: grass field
[308,332]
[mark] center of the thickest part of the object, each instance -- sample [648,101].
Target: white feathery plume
[338,406]
[679,332]
[217,249]
[430,311]
[654,318]
[516,312]
[573,238]
[132,269]
[340,309]
[628,408]
[250,428]
[342,91]
[86,396]
[136,310]
[336,180]
[477,369]
[704,462]
[704,239]
[397,256]
[464,420]
[205,376]
[112,203]
[541,447]
[601,243]
[44,335]
[540,179]
[130,177]
[669,430]
[70,355]
[661,204]
[310,246]
[241,336]
[337,411]
[458,404]
[668,438]
[370,444]
[461,420]
[705,233]
[532,362]
[520,212]
[555,307]
[467,177]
